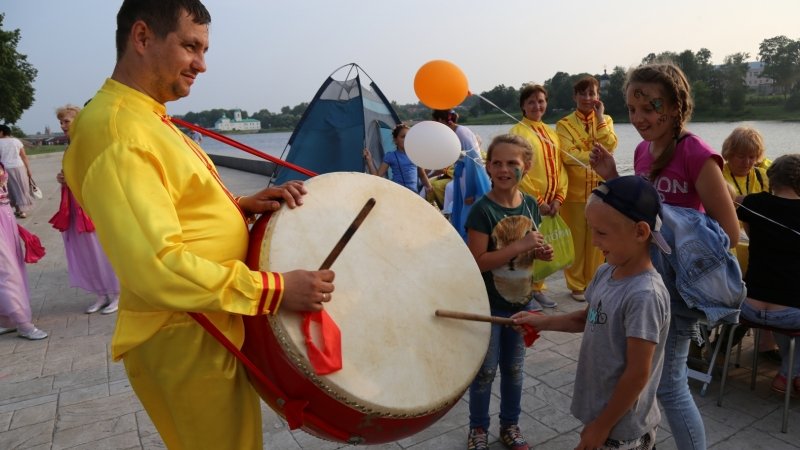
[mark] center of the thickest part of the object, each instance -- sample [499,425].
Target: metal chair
[757,327]
[706,331]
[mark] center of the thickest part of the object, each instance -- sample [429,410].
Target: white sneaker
[4,330]
[578,296]
[102,301]
[33,335]
[111,307]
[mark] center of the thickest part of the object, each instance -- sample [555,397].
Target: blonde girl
[502,237]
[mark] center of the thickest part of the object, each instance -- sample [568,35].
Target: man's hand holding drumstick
[304,290]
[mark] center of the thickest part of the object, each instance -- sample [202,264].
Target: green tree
[716,89]
[300,109]
[505,97]
[559,92]
[614,99]
[16,77]
[704,67]
[701,94]
[733,72]
[687,61]
[781,57]
[649,59]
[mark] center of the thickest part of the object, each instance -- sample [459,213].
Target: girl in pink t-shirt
[688,173]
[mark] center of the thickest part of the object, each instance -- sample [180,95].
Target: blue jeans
[788,318]
[506,349]
[673,389]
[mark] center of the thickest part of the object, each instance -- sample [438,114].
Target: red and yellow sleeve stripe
[271,293]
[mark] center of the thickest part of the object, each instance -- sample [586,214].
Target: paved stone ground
[65,393]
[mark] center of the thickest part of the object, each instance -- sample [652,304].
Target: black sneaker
[512,438]
[478,439]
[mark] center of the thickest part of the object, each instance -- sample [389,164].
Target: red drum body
[402,367]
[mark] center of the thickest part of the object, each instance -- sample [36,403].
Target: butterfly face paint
[649,112]
[658,103]
[518,174]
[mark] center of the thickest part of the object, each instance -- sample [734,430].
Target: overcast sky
[269,54]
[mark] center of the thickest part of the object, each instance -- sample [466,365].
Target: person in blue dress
[404,171]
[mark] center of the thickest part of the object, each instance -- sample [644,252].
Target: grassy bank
[43,149]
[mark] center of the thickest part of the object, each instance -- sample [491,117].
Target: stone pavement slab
[64,392]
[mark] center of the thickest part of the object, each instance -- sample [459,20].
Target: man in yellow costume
[578,133]
[546,181]
[175,236]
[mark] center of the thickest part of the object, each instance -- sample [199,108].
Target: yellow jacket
[174,235]
[577,134]
[547,179]
[754,182]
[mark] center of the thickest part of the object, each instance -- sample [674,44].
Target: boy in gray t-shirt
[625,322]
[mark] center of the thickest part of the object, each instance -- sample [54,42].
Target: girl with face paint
[686,172]
[501,237]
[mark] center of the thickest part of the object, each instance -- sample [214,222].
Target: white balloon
[432,145]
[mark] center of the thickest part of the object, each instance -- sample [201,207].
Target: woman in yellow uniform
[578,133]
[743,151]
[546,181]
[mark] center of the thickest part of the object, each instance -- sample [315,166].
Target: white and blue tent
[345,116]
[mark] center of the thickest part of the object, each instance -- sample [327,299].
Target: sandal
[779,385]
[21,215]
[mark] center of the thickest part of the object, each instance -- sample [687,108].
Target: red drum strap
[294,409]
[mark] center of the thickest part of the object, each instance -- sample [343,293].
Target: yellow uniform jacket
[577,134]
[546,180]
[754,182]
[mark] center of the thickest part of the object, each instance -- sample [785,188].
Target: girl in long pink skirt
[87,263]
[15,307]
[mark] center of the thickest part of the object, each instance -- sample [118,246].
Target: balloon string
[767,218]
[523,123]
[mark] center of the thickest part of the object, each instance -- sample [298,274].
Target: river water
[779,138]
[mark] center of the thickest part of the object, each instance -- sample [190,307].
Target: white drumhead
[403,263]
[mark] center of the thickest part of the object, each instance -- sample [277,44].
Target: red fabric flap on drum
[531,334]
[329,359]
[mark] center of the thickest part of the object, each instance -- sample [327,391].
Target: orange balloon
[440,84]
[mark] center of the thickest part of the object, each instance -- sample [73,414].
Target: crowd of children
[637,327]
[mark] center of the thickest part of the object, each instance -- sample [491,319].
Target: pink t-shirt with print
[676,182]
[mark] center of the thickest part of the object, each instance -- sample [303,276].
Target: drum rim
[300,363]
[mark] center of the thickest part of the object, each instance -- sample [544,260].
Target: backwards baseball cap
[637,199]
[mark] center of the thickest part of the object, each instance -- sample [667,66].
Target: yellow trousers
[587,257]
[196,392]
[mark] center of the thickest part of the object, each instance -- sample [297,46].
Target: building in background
[755,81]
[237,123]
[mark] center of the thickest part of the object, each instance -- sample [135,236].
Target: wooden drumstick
[474,317]
[337,249]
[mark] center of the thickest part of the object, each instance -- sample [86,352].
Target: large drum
[403,368]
